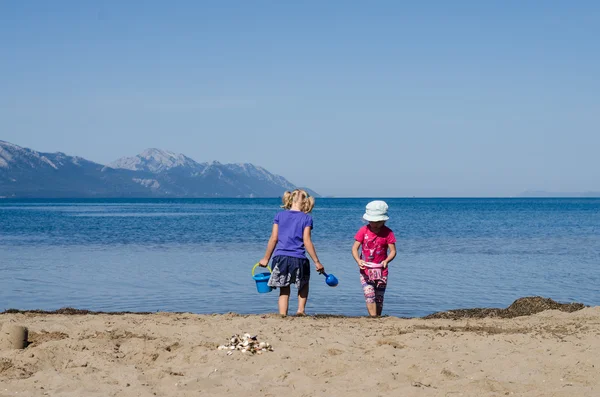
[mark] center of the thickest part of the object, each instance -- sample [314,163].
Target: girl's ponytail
[287,200]
[308,203]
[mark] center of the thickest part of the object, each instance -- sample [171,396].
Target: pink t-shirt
[374,247]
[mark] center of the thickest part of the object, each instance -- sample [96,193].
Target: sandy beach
[551,353]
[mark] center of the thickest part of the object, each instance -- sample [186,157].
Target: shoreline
[525,306]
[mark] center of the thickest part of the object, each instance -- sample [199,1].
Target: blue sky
[382,98]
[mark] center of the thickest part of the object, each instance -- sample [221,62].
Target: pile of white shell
[246,344]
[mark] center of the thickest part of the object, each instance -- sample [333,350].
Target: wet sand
[550,353]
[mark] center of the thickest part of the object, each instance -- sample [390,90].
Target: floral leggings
[373,291]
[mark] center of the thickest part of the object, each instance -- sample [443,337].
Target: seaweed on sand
[521,307]
[66,311]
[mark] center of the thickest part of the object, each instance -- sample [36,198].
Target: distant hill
[26,173]
[541,193]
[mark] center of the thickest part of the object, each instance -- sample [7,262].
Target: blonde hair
[307,203]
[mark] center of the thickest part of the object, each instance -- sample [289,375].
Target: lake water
[196,255]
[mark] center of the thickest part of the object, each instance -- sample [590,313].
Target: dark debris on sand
[521,307]
[67,311]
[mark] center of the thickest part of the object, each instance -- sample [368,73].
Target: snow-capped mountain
[13,156]
[183,176]
[154,160]
[152,173]
[253,171]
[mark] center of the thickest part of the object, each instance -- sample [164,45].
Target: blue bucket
[261,280]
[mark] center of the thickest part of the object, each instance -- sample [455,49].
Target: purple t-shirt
[290,241]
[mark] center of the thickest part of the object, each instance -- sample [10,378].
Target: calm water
[196,255]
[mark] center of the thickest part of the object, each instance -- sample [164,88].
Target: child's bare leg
[372,309]
[284,300]
[379,308]
[302,298]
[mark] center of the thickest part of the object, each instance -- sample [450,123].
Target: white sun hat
[376,211]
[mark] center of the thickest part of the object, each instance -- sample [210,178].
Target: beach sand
[552,353]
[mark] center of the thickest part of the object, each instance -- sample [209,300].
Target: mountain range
[26,173]
[543,193]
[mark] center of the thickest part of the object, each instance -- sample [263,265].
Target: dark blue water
[196,254]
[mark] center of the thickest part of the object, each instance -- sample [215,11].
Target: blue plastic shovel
[330,279]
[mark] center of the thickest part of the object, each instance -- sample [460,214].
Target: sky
[350,98]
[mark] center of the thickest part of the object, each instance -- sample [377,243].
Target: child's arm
[311,249]
[391,255]
[270,246]
[355,248]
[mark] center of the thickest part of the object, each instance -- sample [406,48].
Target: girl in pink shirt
[378,249]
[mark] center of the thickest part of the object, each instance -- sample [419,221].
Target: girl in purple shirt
[290,239]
